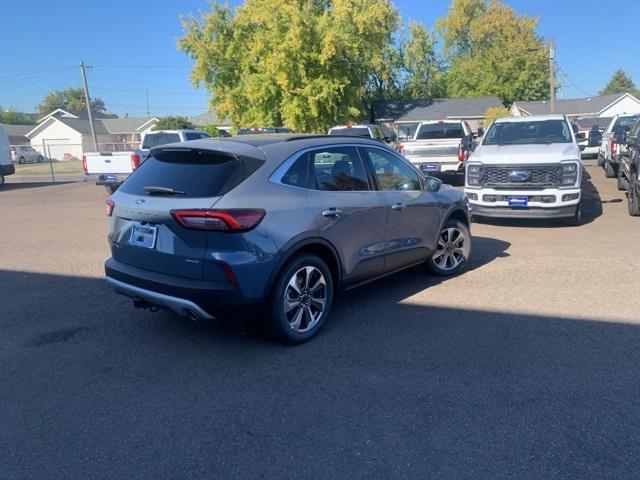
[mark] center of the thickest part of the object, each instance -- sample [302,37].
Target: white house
[66,134]
[575,108]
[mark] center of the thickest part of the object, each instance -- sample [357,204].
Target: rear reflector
[231,278]
[231,220]
[460,154]
[135,161]
[110,205]
[84,164]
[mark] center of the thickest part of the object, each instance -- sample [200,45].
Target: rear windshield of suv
[352,132]
[191,173]
[434,131]
[533,132]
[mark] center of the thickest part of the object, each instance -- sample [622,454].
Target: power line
[36,72]
[568,78]
[157,67]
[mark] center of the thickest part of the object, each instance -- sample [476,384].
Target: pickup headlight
[474,172]
[568,174]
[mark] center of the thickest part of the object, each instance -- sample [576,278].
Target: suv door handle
[398,206]
[332,212]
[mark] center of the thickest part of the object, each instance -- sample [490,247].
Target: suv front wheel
[301,300]
[453,250]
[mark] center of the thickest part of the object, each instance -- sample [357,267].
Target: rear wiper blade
[163,191]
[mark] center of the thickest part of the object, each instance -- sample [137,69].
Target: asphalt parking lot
[525,366]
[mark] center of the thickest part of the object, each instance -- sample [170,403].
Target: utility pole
[552,81]
[87,100]
[147,102]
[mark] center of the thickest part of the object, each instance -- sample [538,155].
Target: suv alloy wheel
[453,251]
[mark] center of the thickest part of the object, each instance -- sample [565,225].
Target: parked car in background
[112,168]
[439,146]
[610,149]
[277,223]
[262,130]
[629,169]
[25,154]
[6,165]
[376,132]
[526,167]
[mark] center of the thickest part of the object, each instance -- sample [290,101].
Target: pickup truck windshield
[156,139]
[352,132]
[433,131]
[624,123]
[533,132]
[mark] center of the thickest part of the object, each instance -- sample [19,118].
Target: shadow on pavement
[22,186]
[387,390]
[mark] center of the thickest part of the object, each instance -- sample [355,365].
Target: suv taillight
[84,163]
[460,153]
[612,146]
[231,220]
[135,161]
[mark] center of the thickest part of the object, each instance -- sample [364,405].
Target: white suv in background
[526,167]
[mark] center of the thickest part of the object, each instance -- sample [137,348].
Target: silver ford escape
[277,222]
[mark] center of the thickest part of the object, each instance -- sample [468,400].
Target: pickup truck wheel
[301,300]
[609,170]
[622,182]
[453,250]
[632,196]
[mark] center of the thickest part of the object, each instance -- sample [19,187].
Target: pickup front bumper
[547,203]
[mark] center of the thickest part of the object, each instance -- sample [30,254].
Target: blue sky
[43,42]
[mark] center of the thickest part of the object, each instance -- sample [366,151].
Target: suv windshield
[433,131]
[624,123]
[352,132]
[533,132]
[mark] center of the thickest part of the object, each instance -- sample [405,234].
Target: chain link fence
[56,160]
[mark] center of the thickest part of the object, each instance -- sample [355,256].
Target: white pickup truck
[112,168]
[612,144]
[526,167]
[439,146]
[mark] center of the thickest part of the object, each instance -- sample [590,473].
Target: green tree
[493,51]
[491,113]
[620,83]
[304,64]
[70,98]
[423,72]
[12,117]
[211,130]
[174,123]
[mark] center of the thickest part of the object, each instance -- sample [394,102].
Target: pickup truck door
[413,214]
[109,162]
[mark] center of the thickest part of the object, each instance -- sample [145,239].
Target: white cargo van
[6,165]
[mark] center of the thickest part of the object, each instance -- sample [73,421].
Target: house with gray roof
[210,118]
[575,108]
[405,114]
[18,134]
[63,134]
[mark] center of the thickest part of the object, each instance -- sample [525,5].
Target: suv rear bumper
[182,295]
[8,169]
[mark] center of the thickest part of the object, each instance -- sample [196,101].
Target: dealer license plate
[518,201]
[143,236]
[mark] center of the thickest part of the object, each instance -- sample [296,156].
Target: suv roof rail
[312,136]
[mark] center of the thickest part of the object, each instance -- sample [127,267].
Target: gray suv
[277,222]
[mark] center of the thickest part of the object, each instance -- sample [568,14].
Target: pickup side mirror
[580,136]
[467,142]
[433,184]
[480,132]
[595,138]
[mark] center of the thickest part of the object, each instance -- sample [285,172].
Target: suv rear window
[155,139]
[433,131]
[197,173]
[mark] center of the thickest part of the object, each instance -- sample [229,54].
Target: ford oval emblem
[140,201]
[518,176]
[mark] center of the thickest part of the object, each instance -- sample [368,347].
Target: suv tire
[21,160]
[301,299]
[453,250]
[40,159]
[633,202]
[609,170]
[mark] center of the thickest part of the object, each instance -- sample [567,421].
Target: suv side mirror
[433,184]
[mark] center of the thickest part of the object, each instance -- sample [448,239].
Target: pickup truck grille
[433,152]
[523,177]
